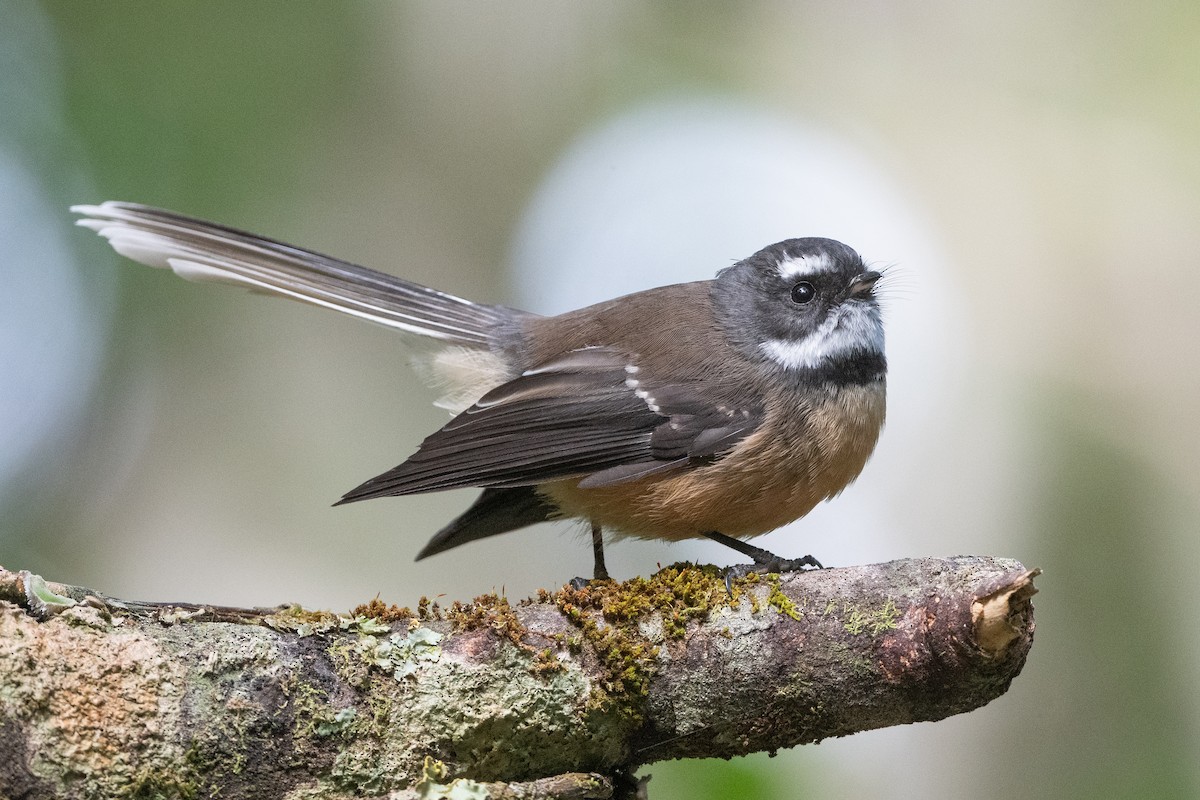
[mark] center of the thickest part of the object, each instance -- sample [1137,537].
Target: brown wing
[591,413]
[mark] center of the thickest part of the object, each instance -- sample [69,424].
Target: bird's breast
[809,447]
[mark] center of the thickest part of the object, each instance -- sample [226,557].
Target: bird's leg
[600,571]
[764,560]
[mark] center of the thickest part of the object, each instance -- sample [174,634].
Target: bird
[718,409]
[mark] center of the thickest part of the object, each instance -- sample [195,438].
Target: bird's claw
[578,583]
[775,564]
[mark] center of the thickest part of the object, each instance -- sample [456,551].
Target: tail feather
[205,251]
[496,511]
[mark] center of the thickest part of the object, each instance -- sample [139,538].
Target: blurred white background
[1029,172]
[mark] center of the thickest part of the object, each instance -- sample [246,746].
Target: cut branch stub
[871,648]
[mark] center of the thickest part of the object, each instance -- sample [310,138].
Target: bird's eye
[802,292]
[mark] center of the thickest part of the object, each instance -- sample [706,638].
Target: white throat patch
[849,328]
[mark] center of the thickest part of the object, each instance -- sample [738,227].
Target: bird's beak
[863,283]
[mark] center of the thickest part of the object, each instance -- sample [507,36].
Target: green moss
[311,710]
[780,601]
[679,594]
[488,611]
[743,586]
[201,759]
[155,785]
[377,609]
[874,621]
[216,753]
[378,719]
[428,610]
[546,662]
[493,612]
[608,616]
[308,703]
[343,656]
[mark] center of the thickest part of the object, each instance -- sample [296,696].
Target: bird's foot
[765,561]
[771,564]
[578,583]
[600,571]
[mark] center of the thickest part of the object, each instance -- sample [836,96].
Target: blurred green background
[171,441]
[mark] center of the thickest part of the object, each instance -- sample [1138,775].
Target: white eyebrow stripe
[805,266]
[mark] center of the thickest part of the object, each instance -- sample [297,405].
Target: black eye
[802,292]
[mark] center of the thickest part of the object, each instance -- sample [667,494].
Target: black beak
[862,284]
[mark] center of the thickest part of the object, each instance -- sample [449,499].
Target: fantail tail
[205,251]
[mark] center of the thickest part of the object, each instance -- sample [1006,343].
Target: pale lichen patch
[97,699]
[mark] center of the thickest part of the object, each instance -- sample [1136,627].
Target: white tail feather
[464,364]
[201,251]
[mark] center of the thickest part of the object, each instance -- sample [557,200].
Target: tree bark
[560,696]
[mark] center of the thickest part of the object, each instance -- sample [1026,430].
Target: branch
[561,696]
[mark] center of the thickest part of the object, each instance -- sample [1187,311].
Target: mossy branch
[560,696]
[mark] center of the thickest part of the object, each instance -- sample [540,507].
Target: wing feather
[578,416]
